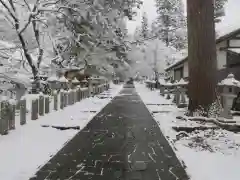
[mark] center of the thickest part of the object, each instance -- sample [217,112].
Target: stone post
[23,111]
[73,96]
[4,123]
[90,87]
[167,93]
[177,96]
[68,94]
[182,98]
[41,105]
[12,115]
[82,95]
[47,103]
[66,99]
[55,101]
[62,99]
[35,107]
[162,88]
[228,98]
[79,94]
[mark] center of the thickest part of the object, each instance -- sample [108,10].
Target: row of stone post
[229,89]
[178,89]
[41,106]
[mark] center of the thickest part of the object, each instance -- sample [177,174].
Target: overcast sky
[232,17]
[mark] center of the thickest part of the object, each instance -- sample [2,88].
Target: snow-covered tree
[152,56]
[23,27]
[92,27]
[171,23]
[219,10]
[75,33]
[144,26]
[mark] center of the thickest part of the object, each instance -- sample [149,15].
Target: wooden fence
[40,105]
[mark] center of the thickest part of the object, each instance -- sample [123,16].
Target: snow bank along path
[29,147]
[222,164]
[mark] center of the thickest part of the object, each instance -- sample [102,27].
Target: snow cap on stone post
[75,80]
[168,84]
[53,78]
[63,79]
[182,82]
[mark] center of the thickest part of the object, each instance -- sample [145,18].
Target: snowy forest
[39,36]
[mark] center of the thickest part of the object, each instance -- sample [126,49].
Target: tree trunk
[201,54]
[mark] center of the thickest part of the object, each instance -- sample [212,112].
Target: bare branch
[9,10]
[25,1]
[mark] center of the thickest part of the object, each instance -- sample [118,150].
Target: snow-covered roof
[223,34]
[230,81]
[235,50]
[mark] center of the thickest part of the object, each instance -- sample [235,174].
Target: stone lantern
[168,86]
[63,82]
[162,84]
[53,82]
[75,82]
[84,83]
[228,95]
[182,89]
[175,91]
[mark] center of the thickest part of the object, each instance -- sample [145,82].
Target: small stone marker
[41,105]
[66,99]
[4,127]
[168,96]
[34,115]
[79,95]
[55,102]
[73,96]
[177,97]
[12,116]
[62,99]
[23,108]
[162,88]
[47,103]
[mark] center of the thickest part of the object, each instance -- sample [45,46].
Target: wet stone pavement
[122,142]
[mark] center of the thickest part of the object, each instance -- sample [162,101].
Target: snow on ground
[29,147]
[209,154]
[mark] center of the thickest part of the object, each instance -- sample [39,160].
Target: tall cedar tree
[201,54]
